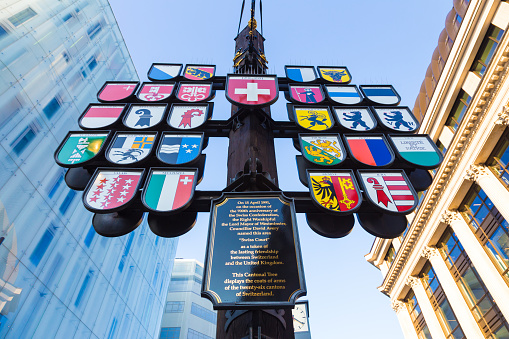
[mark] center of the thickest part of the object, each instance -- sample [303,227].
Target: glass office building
[58,278]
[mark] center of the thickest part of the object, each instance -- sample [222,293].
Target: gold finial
[254,23]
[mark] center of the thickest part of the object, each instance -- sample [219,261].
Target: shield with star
[311,94]
[169,190]
[335,191]
[199,72]
[111,190]
[313,119]
[194,92]
[79,148]
[322,149]
[252,90]
[129,148]
[183,116]
[336,74]
[153,92]
[117,91]
[389,191]
[180,149]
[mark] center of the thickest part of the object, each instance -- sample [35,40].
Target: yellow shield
[313,119]
[335,74]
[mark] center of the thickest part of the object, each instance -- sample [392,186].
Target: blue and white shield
[355,118]
[398,119]
[382,94]
[180,149]
[128,148]
[300,73]
[346,95]
[144,116]
[162,72]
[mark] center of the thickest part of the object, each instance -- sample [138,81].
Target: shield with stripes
[390,191]
[169,190]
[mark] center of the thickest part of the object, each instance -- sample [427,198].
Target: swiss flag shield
[252,90]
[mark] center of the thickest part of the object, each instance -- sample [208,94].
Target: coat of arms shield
[252,90]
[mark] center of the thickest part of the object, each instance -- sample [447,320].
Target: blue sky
[381,42]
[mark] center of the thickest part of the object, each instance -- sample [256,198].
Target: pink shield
[307,94]
[155,92]
[252,90]
[194,92]
[116,91]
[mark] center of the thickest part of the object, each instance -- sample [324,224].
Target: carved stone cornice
[475,172]
[448,217]
[412,281]
[503,117]
[397,305]
[430,252]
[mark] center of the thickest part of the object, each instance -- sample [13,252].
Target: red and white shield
[252,90]
[155,92]
[191,92]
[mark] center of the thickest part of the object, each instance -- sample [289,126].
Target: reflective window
[52,107]
[390,255]
[192,334]
[43,244]
[417,317]
[499,159]
[458,110]
[174,306]
[170,333]
[23,16]
[487,49]
[24,138]
[203,313]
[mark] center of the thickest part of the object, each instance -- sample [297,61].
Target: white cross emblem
[252,91]
[185,180]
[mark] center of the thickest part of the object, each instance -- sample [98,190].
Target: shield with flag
[335,191]
[100,116]
[417,150]
[382,94]
[252,90]
[300,73]
[128,148]
[111,190]
[390,191]
[188,116]
[116,91]
[346,95]
[79,147]
[310,94]
[144,116]
[322,149]
[371,150]
[398,119]
[155,92]
[169,190]
[193,92]
[313,119]
[335,74]
[199,72]
[162,72]
[355,118]
[180,149]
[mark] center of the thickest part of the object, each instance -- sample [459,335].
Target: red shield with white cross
[252,90]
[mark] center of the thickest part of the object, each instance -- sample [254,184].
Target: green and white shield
[323,149]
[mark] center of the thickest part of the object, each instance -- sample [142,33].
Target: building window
[192,334]
[499,159]
[170,333]
[390,255]
[67,201]
[3,32]
[92,63]
[52,107]
[90,236]
[491,229]
[43,245]
[482,305]
[94,30]
[24,138]
[458,110]
[23,16]
[198,270]
[203,313]
[438,299]
[417,317]
[441,147]
[487,49]
[174,307]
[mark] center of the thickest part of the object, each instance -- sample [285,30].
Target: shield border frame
[301,66]
[165,64]
[325,81]
[295,118]
[337,102]
[136,163]
[292,99]
[116,122]
[375,205]
[354,181]
[324,135]
[385,127]
[116,169]
[127,99]
[252,76]
[208,113]
[199,65]
[175,133]
[86,162]
[374,103]
[426,136]
[129,108]
[211,96]
[359,163]
[178,169]
[343,127]
[155,84]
